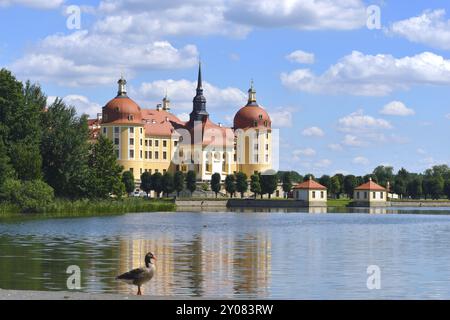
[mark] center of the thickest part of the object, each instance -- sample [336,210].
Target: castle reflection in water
[203,265]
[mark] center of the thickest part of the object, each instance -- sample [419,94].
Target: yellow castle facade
[155,140]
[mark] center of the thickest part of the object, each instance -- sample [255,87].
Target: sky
[349,84]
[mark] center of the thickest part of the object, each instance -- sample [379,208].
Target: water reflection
[244,254]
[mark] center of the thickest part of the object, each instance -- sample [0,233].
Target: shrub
[30,196]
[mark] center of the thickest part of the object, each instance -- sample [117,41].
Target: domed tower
[122,123]
[253,131]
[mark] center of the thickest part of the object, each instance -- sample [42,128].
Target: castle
[155,140]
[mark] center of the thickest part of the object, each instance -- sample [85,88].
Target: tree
[104,172]
[414,188]
[64,148]
[26,160]
[230,184]
[128,181]
[335,186]
[447,188]
[325,180]
[191,181]
[29,196]
[269,184]
[308,176]
[157,183]
[383,174]
[215,183]
[167,183]
[255,184]
[146,182]
[434,186]
[241,183]
[6,170]
[350,183]
[286,183]
[178,182]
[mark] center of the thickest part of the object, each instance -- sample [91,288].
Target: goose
[139,276]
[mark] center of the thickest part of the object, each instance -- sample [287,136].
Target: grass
[338,202]
[87,208]
[420,200]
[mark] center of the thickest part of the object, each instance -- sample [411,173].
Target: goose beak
[154,258]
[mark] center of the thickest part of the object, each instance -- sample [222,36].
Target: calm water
[237,254]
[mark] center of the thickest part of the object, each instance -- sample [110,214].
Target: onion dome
[252,115]
[122,109]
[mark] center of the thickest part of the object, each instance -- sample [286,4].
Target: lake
[246,254]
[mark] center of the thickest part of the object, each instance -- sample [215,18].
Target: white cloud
[313,132]
[429,28]
[182,91]
[335,147]
[81,104]
[372,75]
[360,161]
[299,14]
[352,141]
[397,108]
[299,153]
[183,116]
[448,116]
[359,122]
[281,118]
[323,163]
[421,151]
[39,4]
[300,56]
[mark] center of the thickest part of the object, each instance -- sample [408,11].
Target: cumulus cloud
[181,92]
[299,14]
[84,58]
[81,103]
[299,153]
[352,141]
[397,108]
[39,4]
[335,147]
[323,163]
[372,75]
[281,118]
[300,56]
[430,28]
[359,122]
[360,161]
[313,132]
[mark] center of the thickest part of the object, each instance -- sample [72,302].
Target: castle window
[116,130]
[116,141]
[150,143]
[131,153]
[104,130]
[140,142]
[313,194]
[146,154]
[156,143]
[131,129]
[164,155]
[267,158]
[130,117]
[175,143]
[260,117]
[265,123]
[140,130]
[140,153]
[267,146]
[255,123]
[131,141]
[150,155]
[164,143]
[146,142]
[156,155]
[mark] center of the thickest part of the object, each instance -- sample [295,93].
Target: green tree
[286,183]
[434,186]
[307,176]
[241,183]
[383,174]
[6,170]
[29,196]
[414,188]
[269,184]
[325,180]
[215,183]
[157,183]
[230,184]
[350,183]
[191,181]
[64,150]
[128,181]
[105,173]
[178,181]
[167,183]
[335,186]
[255,184]
[447,188]
[146,182]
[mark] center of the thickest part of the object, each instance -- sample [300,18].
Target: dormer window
[255,123]
[265,123]
[260,117]
[130,117]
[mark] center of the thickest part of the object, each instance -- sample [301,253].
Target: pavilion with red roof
[370,194]
[311,192]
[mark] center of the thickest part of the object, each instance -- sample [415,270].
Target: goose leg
[139,293]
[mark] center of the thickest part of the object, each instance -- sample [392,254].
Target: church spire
[122,92]
[199,112]
[251,94]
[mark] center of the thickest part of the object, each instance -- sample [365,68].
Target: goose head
[148,259]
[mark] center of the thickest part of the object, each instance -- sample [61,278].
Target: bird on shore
[139,276]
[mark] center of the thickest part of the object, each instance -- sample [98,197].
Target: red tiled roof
[310,185]
[371,186]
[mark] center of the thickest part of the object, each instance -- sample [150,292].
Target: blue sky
[346,98]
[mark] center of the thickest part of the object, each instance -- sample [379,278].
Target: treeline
[46,153]
[434,183]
